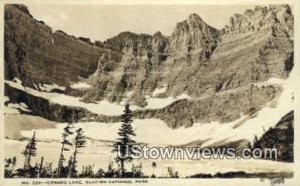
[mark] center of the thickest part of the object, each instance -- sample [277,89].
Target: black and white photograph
[97,93]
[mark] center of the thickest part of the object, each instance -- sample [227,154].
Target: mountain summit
[194,36]
[194,18]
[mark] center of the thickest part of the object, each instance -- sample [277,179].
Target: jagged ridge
[196,59]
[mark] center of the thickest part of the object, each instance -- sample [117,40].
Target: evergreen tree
[290,133]
[123,145]
[153,167]
[41,167]
[14,162]
[80,142]
[65,142]
[256,142]
[29,152]
[8,162]
[288,143]
[70,162]
[7,170]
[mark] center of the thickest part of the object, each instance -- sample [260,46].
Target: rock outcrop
[195,38]
[35,54]
[280,137]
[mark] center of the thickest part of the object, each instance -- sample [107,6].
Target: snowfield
[150,131]
[155,131]
[271,81]
[270,115]
[102,107]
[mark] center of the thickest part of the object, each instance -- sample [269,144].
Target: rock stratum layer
[218,69]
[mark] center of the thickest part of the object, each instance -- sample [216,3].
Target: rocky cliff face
[35,54]
[280,137]
[217,69]
[225,107]
[194,37]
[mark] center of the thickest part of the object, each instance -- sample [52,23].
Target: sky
[100,22]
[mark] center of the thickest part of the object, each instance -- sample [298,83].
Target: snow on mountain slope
[50,87]
[270,115]
[12,108]
[80,85]
[155,131]
[102,107]
[159,91]
[151,131]
[156,103]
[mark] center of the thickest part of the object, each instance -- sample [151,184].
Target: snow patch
[12,108]
[271,81]
[126,98]
[18,81]
[50,87]
[21,106]
[159,91]
[103,107]
[80,85]
[6,98]
[157,103]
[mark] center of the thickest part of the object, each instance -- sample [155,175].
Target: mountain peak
[158,33]
[262,17]
[194,18]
